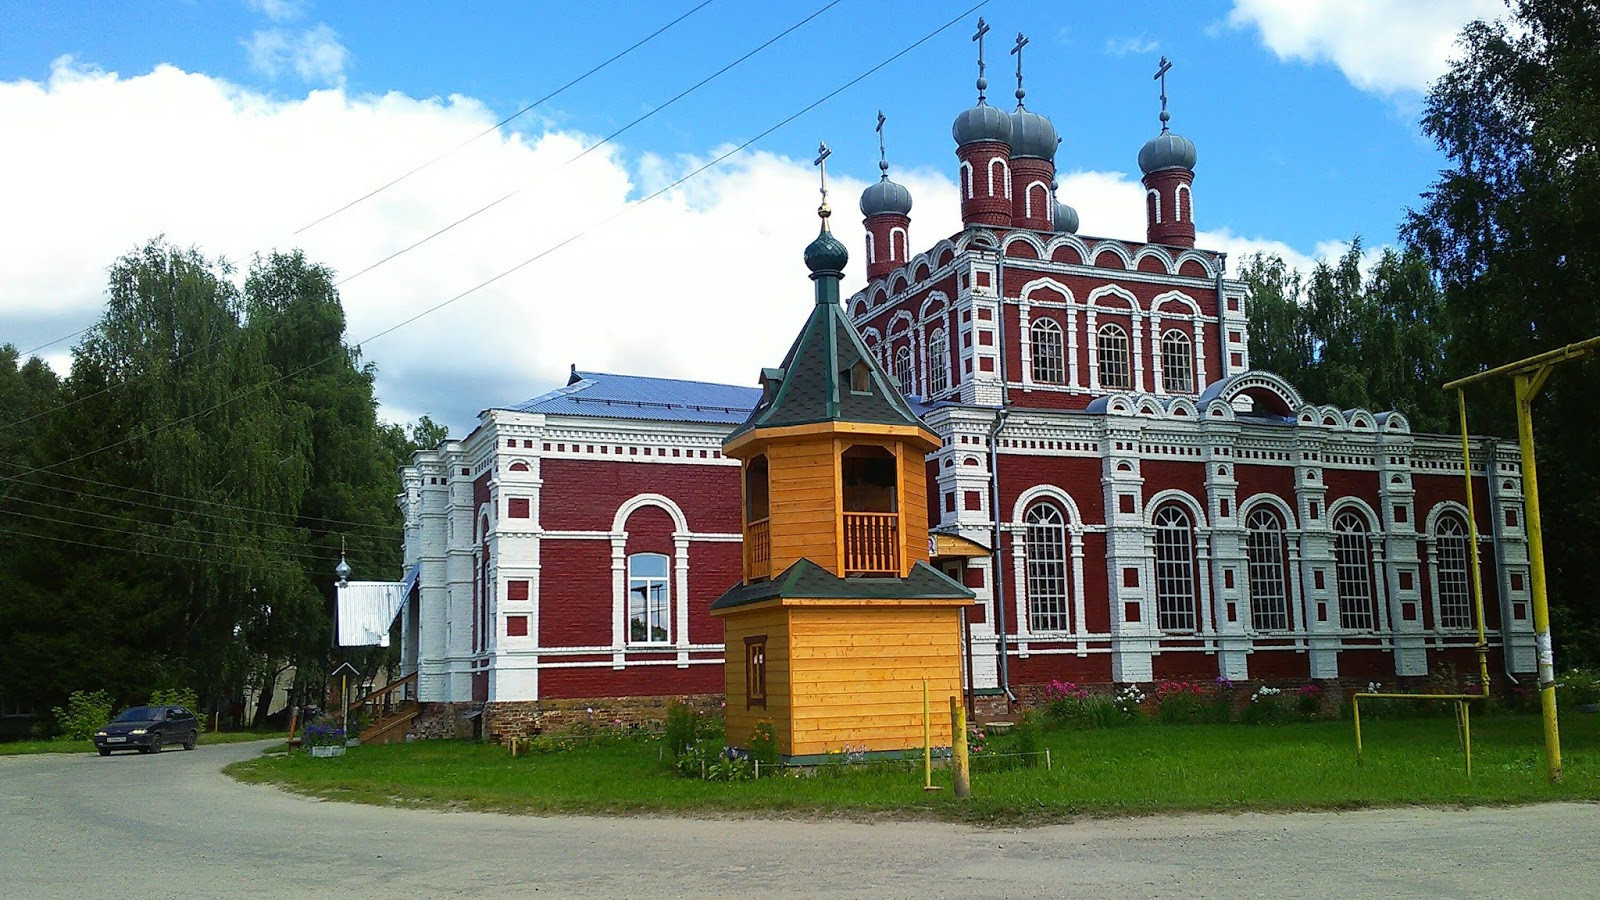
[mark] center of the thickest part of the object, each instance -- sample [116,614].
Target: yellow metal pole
[1466,720]
[958,747]
[1355,713]
[1526,387]
[927,741]
[1472,539]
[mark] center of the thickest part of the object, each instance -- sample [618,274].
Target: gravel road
[173,825]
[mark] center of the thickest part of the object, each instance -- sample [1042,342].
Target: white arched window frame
[1352,555]
[1028,205]
[966,178]
[1049,356]
[1176,603]
[1177,363]
[1111,343]
[1153,204]
[1049,592]
[1004,178]
[1265,547]
[1183,200]
[872,249]
[899,244]
[1452,569]
[903,369]
[649,599]
[938,363]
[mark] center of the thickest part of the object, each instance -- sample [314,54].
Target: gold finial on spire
[821,162]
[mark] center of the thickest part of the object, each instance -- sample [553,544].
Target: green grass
[1126,771]
[22,748]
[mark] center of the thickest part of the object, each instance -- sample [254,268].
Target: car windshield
[137,714]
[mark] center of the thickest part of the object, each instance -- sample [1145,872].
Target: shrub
[682,728]
[85,712]
[1029,737]
[1308,697]
[1267,706]
[1579,687]
[1183,702]
[764,743]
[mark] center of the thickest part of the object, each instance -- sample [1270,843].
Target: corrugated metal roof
[639,397]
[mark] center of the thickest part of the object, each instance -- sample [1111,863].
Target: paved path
[171,824]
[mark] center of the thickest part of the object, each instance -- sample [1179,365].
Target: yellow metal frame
[1528,377]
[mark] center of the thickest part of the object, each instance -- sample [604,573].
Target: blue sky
[1304,114]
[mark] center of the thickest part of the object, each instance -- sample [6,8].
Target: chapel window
[1048,598]
[1353,572]
[1175,581]
[649,609]
[1451,554]
[938,364]
[1177,363]
[1269,584]
[1115,372]
[755,671]
[1048,359]
[902,370]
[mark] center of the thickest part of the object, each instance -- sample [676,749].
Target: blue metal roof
[638,397]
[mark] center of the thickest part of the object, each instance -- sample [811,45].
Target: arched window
[902,369]
[938,364]
[1047,569]
[1269,582]
[1451,555]
[1177,363]
[1049,366]
[1353,572]
[1115,373]
[649,609]
[1175,604]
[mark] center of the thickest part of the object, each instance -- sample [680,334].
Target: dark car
[147,729]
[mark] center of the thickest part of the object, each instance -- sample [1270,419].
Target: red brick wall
[583,495]
[634,681]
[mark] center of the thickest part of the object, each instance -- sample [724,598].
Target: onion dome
[885,196]
[1066,219]
[826,255]
[1032,135]
[342,572]
[981,123]
[1166,151]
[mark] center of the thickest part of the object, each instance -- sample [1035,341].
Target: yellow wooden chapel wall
[913,504]
[739,720]
[856,676]
[804,501]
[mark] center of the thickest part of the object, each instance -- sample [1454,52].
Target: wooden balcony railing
[871,543]
[758,549]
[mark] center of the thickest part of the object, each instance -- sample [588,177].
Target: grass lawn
[18,748]
[1134,770]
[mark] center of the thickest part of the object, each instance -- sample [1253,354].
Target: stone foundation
[446,720]
[504,721]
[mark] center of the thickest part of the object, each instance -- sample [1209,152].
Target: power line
[592,147]
[306,557]
[386,529]
[133,550]
[526,262]
[507,120]
[493,203]
[298,545]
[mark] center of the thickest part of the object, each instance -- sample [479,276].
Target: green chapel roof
[813,385]
[805,580]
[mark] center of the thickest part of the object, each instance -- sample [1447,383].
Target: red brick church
[1128,499]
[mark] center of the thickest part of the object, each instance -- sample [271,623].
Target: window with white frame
[1175,582]
[649,600]
[1048,597]
[1451,555]
[1353,572]
[1049,361]
[938,364]
[1177,363]
[1269,583]
[1115,373]
[902,370]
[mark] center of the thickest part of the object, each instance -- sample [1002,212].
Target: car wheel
[155,743]
[189,744]
[103,751]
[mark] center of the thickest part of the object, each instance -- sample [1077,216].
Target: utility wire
[213,545]
[592,147]
[133,550]
[521,265]
[507,120]
[97,514]
[452,151]
[482,209]
[387,530]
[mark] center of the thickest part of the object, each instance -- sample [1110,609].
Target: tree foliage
[181,498]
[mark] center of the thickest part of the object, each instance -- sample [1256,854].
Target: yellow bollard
[927,741]
[958,748]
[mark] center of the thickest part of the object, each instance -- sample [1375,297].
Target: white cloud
[705,282]
[278,10]
[315,55]
[1381,46]
[1128,46]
